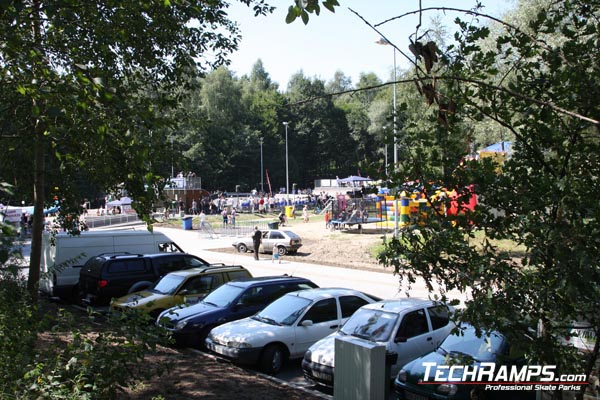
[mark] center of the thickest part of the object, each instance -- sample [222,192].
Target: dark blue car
[232,301]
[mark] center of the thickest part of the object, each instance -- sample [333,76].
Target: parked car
[232,301]
[407,327]
[282,241]
[179,287]
[108,276]
[286,328]
[63,254]
[464,348]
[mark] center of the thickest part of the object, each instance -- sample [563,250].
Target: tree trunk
[38,214]
[39,170]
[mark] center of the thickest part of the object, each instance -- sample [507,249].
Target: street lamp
[396,216]
[262,189]
[386,43]
[386,151]
[287,173]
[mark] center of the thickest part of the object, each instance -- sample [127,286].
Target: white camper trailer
[62,260]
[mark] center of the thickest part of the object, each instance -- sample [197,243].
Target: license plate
[414,396]
[320,375]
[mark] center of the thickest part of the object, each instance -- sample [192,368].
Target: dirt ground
[198,376]
[347,248]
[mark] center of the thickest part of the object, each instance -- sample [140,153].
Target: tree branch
[460,79]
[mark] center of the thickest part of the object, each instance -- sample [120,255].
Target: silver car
[282,241]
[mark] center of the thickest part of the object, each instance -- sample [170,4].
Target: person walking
[305,213]
[202,219]
[256,240]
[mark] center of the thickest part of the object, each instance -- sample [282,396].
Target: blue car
[465,349]
[234,300]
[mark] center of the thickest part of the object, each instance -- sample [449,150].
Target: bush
[50,353]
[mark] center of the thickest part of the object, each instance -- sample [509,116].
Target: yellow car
[186,286]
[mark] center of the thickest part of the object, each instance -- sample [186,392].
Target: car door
[251,301]
[439,317]
[275,237]
[197,287]
[412,339]
[267,242]
[324,319]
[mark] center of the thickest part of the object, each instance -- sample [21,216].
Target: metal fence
[239,229]
[107,220]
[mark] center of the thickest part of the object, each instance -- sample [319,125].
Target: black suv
[234,300]
[106,276]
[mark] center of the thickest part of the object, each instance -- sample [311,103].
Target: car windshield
[223,296]
[373,325]
[168,284]
[284,311]
[482,348]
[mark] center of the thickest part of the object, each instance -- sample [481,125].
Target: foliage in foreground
[541,83]
[49,353]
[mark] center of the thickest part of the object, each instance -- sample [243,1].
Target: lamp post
[396,216]
[386,43]
[287,174]
[262,189]
[172,170]
[385,146]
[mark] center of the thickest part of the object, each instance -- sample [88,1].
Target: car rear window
[292,235]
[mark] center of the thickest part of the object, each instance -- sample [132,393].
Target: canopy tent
[353,179]
[123,201]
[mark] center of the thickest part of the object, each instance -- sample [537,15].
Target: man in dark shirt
[256,239]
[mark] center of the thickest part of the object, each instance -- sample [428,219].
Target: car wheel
[242,248]
[281,250]
[272,359]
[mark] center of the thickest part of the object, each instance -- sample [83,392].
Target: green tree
[79,74]
[544,199]
[319,128]
[539,81]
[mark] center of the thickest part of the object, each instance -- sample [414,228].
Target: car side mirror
[400,339]
[306,322]
[184,292]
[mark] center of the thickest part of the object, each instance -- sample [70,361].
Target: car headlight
[447,388]
[402,375]
[238,345]
[181,324]
[308,355]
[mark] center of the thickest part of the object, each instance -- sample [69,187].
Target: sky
[335,41]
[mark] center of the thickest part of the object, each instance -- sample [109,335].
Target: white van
[62,260]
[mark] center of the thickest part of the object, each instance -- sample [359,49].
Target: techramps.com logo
[502,377]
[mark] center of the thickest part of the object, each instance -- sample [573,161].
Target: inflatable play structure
[407,209]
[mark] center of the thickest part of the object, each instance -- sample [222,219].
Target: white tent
[123,201]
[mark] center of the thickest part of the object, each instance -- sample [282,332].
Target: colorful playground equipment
[414,208]
[407,209]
